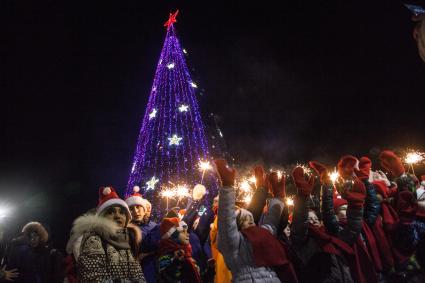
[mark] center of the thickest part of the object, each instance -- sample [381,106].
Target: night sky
[289,83]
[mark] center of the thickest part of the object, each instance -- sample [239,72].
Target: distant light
[4,212]
[152,114]
[184,51]
[193,85]
[220,133]
[170,66]
[183,108]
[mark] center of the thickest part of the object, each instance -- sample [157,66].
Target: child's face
[184,236]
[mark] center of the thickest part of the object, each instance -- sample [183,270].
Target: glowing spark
[334,176]
[152,114]
[170,66]
[183,108]
[247,198]
[245,186]
[252,179]
[204,165]
[306,169]
[174,140]
[193,85]
[167,194]
[289,202]
[182,191]
[184,51]
[151,183]
[414,157]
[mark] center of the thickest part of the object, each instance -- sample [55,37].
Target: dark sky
[290,83]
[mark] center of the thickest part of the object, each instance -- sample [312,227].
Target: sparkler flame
[334,176]
[414,157]
[204,165]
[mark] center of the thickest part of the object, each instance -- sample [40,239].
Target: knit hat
[241,215]
[136,198]
[170,225]
[109,197]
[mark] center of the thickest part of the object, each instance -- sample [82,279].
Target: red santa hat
[109,197]
[171,225]
[136,198]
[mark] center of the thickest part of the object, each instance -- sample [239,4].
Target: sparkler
[204,166]
[334,176]
[414,157]
[167,194]
[182,191]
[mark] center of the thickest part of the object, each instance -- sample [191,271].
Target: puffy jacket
[236,250]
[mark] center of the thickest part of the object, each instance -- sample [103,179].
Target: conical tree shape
[172,141]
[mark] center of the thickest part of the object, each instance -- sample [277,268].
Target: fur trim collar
[90,223]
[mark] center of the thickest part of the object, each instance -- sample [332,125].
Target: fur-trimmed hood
[95,224]
[38,228]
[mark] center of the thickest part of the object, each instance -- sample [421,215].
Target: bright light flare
[194,85]
[334,176]
[170,66]
[414,157]
[167,193]
[204,165]
[307,170]
[245,186]
[247,198]
[182,191]
[289,202]
[252,179]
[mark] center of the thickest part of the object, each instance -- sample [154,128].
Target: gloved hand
[365,164]
[391,162]
[304,186]
[355,195]
[278,187]
[346,166]
[321,171]
[261,180]
[226,175]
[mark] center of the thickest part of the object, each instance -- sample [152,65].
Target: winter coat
[257,203]
[316,260]
[348,230]
[35,265]
[150,240]
[105,253]
[236,249]
[222,273]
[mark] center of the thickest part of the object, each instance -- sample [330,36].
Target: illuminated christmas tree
[172,142]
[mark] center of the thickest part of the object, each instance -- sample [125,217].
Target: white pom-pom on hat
[136,189]
[198,192]
[106,191]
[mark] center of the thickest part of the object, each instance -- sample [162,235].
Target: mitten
[278,187]
[225,174]
[391,162]
[346,166]
[321,171]
[365,164]
[355,195]
[304,186]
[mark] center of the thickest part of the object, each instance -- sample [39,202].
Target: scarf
[190,271]
[269,252]
[328,243]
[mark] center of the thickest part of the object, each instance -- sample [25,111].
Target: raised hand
[321,171]
[303,185]
[346,166]
[278,187]
[391,162]
[355,194]
[365,164]
[260,177]
[226,174]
